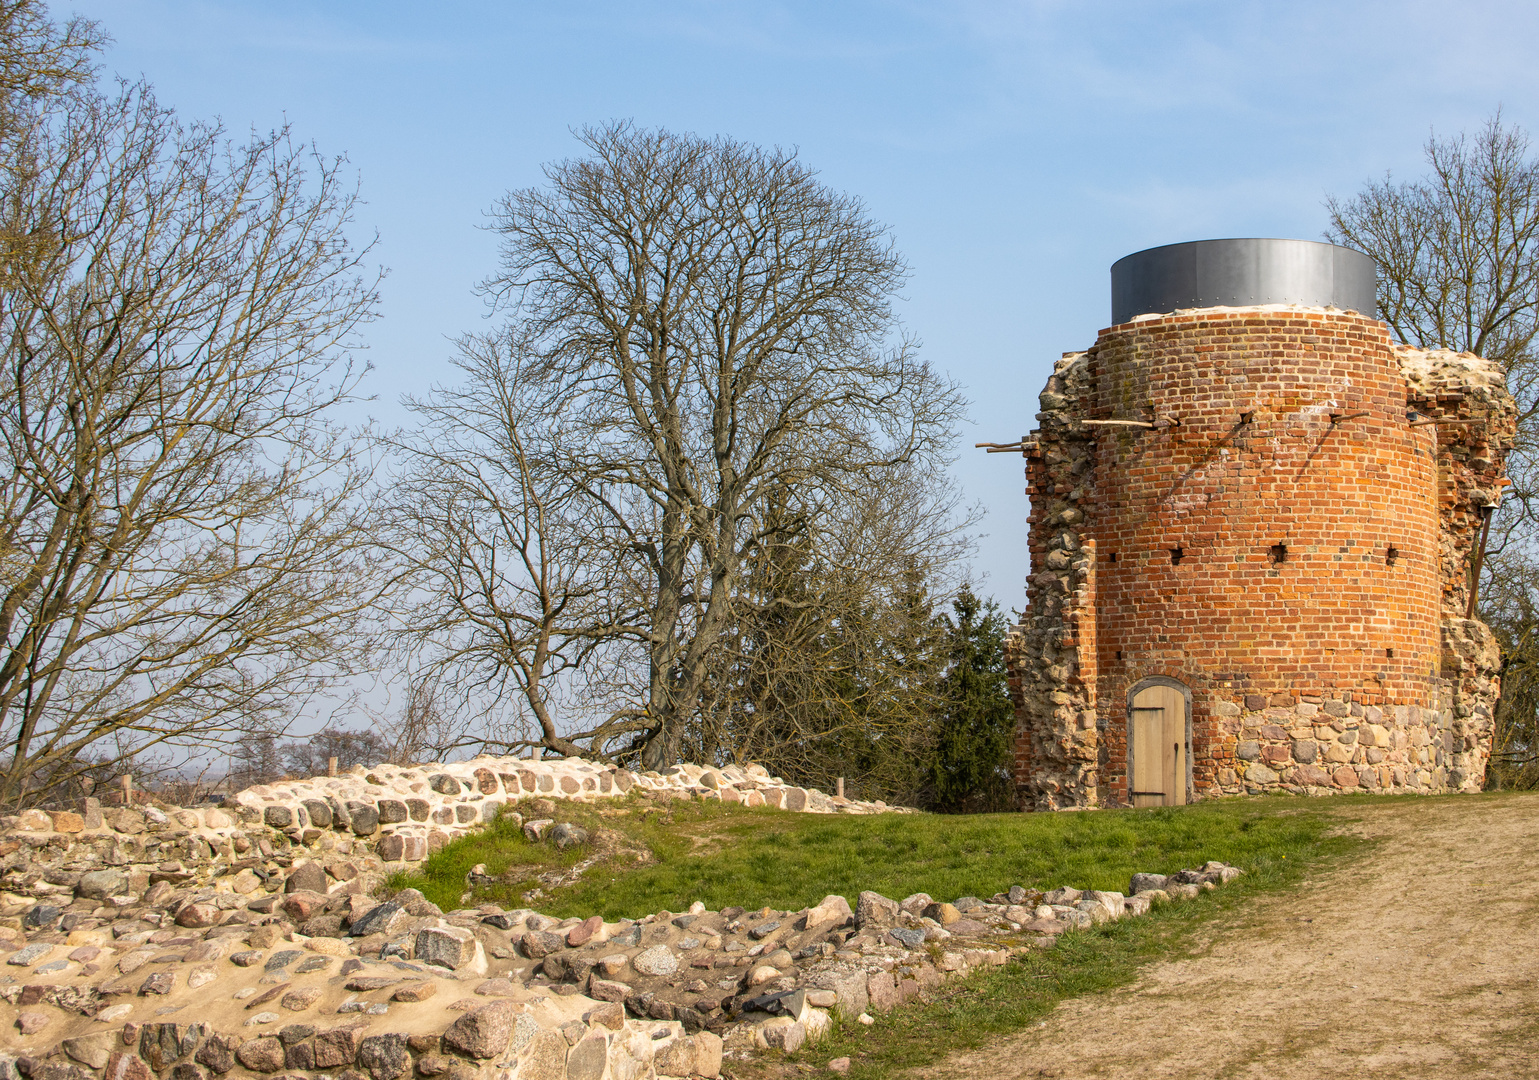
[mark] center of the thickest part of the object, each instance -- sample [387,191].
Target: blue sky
[1015,149]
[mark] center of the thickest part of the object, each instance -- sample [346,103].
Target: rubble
[228,943]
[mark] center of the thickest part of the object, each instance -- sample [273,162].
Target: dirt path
[1419,960]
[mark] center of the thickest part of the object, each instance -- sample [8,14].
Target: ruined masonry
[1252,536]
[256,939]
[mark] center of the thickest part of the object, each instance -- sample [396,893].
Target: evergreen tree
[970,769]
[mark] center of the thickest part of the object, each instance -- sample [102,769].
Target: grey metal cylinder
[1241,272]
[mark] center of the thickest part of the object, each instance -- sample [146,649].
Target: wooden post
[839,787]
[127,781]
[331,766]
[1487,512]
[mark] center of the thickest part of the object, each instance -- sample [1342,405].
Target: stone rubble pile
[167,943]
[191,980]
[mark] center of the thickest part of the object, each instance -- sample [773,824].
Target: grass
[728,854]
[964,1014]
[664,854]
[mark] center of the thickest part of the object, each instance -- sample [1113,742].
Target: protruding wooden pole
[1487,512]
[839,787]
[128,789]
[331,766]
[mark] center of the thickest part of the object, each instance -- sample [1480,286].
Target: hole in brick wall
[1389,654]
[1279,553]
[1247,417]
[1111,556]
[1119,654]
[1176,555]
[1391,555]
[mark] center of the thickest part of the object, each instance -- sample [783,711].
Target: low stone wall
[409,813]
[359,826]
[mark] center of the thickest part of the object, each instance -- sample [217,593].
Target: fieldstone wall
[1051,655]
[1462,387]
[357,828]
[409,813]
[1289,537]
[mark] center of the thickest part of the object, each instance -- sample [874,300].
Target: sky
[1015,149]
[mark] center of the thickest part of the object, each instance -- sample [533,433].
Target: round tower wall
[1274,549]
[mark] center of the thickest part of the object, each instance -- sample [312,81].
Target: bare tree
[1458,255]
[311,755]
[709,326]
[1458,251]
[182,540]
[505,592]
[420,730]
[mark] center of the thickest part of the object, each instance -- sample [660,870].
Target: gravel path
[1421,959]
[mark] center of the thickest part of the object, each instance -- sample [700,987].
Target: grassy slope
[726,854]
[732,855]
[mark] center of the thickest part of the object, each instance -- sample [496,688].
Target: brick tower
[1253,516]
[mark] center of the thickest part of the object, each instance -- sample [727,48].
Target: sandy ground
[1421,959]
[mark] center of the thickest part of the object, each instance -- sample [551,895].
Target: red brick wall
[1333,621]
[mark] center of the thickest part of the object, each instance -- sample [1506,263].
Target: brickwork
[1285,542]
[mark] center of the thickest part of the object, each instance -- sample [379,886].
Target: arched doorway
[1159,743]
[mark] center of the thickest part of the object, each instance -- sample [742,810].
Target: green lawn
[727,854]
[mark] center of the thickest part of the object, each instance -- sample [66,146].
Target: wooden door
[1158,773]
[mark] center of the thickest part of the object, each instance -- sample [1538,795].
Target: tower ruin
[1254,517]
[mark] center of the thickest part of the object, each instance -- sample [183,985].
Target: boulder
[384,918]
[538,944]
[301,904]
[848,982]
[339,1046]
[874,911]
[587,1060]
[534,831]
[484,1033]
[319,811]
[783,1033]
[606,990]
[100,884]
[92,1051]
[658,960]
[264,1055]
[306,877]
[566,835]
[385,1056]
[451,947]
[126,1067]
[1115,903]
[218,1052]
[583,932]
[41,917]
[945,914]
[365,819]
[831,911]
[545,1056]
